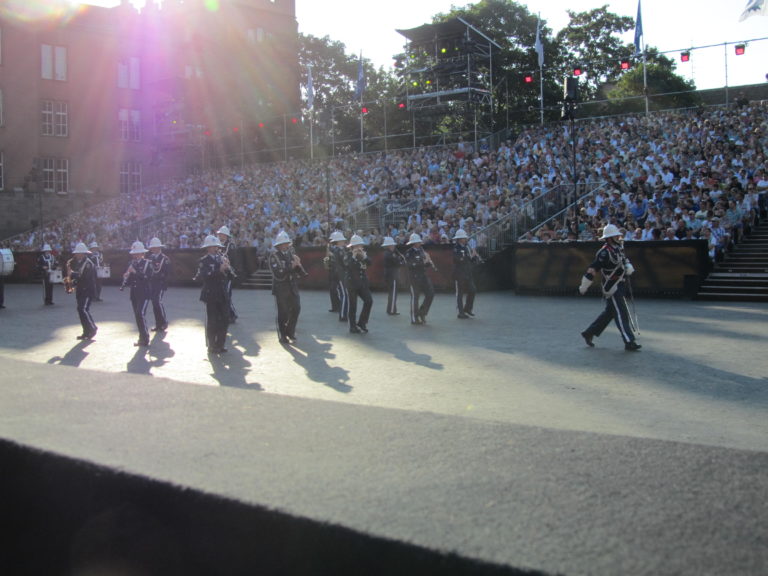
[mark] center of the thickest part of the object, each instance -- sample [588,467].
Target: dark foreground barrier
[665,269]
[65,517]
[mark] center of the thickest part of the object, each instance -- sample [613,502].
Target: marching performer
[615,269]
[337,274]
[464,260]
[46,263]
[393,260]
[213,270]
[421,285]
[357,285]
[158,283]
[81,274]
[98,261]
[286,268]
[137,279]
[227,248]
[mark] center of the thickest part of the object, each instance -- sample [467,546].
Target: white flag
[754,8]
[538,45]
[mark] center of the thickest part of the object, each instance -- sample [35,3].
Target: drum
[55,277]
[6,262]
[103,272]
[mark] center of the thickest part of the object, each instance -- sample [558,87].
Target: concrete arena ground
[677,432]
[701,375]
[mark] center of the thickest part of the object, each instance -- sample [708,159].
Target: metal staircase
[259,280]
[743,273]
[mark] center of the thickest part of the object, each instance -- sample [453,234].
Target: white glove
[629,269]
[586,282]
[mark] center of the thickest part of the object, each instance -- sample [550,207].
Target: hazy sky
[670,25]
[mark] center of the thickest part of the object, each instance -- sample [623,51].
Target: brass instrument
[297,261]
[358,253]
[126,275]
[69,283]
[427,259]
[228,266]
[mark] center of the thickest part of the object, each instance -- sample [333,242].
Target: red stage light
[740,48]
[685,56]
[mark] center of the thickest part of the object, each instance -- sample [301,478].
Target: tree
[592,40]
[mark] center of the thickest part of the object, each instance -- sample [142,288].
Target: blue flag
[360,90]
[638,28]
[538,45]
[754,8]
[310,89]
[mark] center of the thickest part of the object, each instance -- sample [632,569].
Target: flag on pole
[360,89]
[754,8]
[638,29]
[538,45]
[310,89]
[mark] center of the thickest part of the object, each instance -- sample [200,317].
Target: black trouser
[343,295]
[2,291]
[288,309]
[139,313]
[419,287]
[98,287]
[158,308]
[334,292]
[216,323]
[84,312]
[615,309]
[47,289]
[391,285]
[465,294]
[365,295]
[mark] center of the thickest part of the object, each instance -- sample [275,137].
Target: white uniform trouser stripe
[626,331]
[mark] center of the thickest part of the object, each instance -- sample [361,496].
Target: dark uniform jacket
[214,280]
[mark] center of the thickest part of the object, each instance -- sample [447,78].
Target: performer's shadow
[231,369]
[152,356]
[402,352]
[74,357]
[313,357]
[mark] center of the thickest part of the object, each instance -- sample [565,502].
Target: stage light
[401,105]
[528,78]
[364,110]
[685,56]
[261,124]
[294,120]
[625,64]
[740,48]
[577,70]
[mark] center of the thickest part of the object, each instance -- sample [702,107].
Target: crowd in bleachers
[673,175]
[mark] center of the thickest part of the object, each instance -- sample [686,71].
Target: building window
[2,172]
[129,73]
[1,46]
[130,177]
[192,71]
[130,125]
[255,36]
[53,62]
[55,118]
[55,172]
[2,116]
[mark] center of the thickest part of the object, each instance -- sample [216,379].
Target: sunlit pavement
[700,376]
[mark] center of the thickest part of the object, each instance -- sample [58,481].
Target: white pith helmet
[81,248]
[610,231]
[355,241]
[414,239]
[137,248]
[282,238]
[93,244]
[460,234]
[46,247]
[224,230]
[388,241]
[155,243]
[211,241]
[337,236]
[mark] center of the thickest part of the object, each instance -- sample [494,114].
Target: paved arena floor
[503,438]
[701,377]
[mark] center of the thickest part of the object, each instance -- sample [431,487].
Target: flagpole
[540,55]
[311,135]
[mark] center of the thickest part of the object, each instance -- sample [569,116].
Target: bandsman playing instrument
[158,283]
[418,262]
[286,268]
[47,263]
[81,273]
[226,250]
[357,285]
[393,261]
[337,275]
[615,269]
[464,260]
[213,270]
[137,278]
